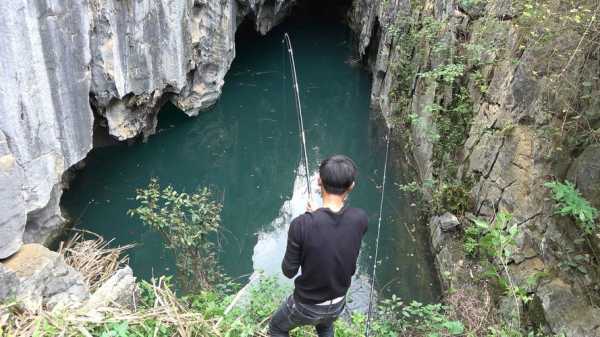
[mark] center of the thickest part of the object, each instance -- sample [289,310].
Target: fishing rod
[298,109]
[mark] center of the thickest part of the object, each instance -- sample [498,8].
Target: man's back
[326,245]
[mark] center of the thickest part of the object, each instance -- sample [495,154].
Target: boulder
[440,227]
[447,222]
[118,290]
[585,173]
[38,277]
[567,311]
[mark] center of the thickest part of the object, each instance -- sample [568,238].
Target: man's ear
[319,181]
[351,186]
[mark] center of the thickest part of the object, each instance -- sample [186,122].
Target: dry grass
[94,259]
[167,311]
[97,262]
[473,307]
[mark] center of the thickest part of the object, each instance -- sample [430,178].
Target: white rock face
[45,116]
[145,49]
[124,58]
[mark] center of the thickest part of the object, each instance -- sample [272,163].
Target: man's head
[337,174]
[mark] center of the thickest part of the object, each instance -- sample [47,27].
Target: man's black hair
[337,172]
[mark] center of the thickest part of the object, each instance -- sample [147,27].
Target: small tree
[184,221]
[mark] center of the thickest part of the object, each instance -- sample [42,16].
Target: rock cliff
[495,99]
[67,64]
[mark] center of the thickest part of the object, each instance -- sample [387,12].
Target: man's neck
[333,201]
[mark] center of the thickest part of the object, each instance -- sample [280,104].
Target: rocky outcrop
[447,251]
[564,312]
[63,59]
[46,123]
[118,290]
[507,85]
[149,51]
[585,173]
[38,277]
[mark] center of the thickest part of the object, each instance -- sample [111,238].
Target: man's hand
[310,206]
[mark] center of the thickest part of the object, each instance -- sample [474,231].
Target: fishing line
[387,151]
[284,94]
[298,109]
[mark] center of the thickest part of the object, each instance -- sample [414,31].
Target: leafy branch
[184,221]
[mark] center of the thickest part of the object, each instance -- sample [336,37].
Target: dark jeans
[292,314]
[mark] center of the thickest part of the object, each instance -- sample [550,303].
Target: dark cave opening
[303,12]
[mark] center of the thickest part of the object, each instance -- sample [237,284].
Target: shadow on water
[246,148]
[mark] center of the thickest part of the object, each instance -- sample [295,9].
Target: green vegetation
[160,313]
[453,125]
[552,48]
[564,35]
[184,221]
[447,196]
[419,123]
[447,73]
[395,318]
[471,3]
[451,196]
[495,242]
[414,37]
[569,202]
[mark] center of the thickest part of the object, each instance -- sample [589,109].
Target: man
[324,243]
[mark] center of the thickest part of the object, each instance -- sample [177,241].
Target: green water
[246,148]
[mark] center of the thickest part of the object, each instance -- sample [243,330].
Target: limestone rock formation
[46,120]
[39,277]
[564,312]
[585,173]
[507,152]
[62,60]
[146,52]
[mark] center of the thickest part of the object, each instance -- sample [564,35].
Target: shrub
[185,222]
[569,202]
[447,73]
[452,196]
[495,241]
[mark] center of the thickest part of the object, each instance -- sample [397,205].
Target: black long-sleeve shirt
[326,245]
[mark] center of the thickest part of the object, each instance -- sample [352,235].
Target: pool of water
[246,148]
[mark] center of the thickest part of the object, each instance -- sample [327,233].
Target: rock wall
[65,64]
[46,120]
[515,140]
